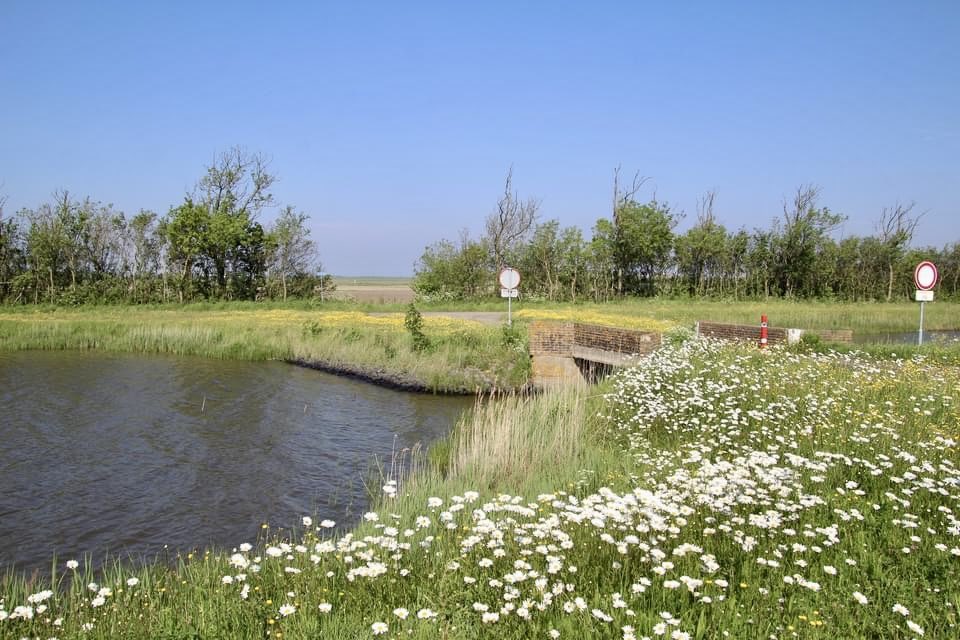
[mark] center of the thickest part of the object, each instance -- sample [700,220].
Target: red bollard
[763,331]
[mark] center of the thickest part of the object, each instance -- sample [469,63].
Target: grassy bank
[713,491]
[867,318]
[460,355]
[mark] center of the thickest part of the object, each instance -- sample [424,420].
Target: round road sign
[925,276]
[509,278]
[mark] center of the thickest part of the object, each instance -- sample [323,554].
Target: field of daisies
[713,491]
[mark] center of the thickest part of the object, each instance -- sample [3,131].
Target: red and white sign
[509,278]
[925,276]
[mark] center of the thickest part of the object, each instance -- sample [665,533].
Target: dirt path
[484,317]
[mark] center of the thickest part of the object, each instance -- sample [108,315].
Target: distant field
[374,289]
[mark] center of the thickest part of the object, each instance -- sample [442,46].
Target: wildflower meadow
[713,491]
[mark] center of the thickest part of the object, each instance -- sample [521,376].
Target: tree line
[636,251]
[211,246]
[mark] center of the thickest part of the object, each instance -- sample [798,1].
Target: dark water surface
[125,454]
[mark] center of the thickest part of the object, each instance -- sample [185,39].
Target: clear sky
[393,124]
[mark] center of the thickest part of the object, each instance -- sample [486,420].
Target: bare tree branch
[236,180]
[511,222]
[897,222]
[705,215]
[623,196]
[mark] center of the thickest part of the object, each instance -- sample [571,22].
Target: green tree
[700,251]
[643,244]
[541,259]
[292,252]
[760,262]
[47,245]
[799,242]
[146,245]
[601,260]
[185,233]
[895,230]
[233,191]
[573,261]
[11,252]
[450,270]
[735,261]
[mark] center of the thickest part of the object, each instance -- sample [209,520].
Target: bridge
[566,353]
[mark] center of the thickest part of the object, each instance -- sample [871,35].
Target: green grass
[461,356]
[866,317]
[738,492]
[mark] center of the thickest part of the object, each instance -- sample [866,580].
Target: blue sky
[393,124]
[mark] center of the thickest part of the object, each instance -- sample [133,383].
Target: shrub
[413,321]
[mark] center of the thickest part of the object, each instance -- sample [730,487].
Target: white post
[509,318]
[920,335]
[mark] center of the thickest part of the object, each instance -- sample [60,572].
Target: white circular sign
[509,278]
[925,276]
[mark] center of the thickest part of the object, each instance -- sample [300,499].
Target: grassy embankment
[862,318]
[462,355]
[713,490]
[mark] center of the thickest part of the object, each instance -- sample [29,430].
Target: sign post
[509,280]
[925,276]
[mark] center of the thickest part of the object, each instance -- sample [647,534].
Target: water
[908,337]
[143,456]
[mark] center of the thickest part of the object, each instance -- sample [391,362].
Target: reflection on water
[909,337]
[125,454]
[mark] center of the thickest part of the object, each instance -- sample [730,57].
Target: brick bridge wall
[748,332]
[624,341]
[775,335]
[559,338]
[550,338]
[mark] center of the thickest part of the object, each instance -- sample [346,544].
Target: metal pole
[509,318]
[920,335]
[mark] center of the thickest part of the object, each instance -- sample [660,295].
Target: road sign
[509,293]
[509,278]
[925,276]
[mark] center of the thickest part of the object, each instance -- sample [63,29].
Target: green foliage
[212,247]
[454,271]
[514,336]
[413,322]
[71,252]
[292,252]
[312,328]
[637,254]
[643,240]
[810,340]
[677,336]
